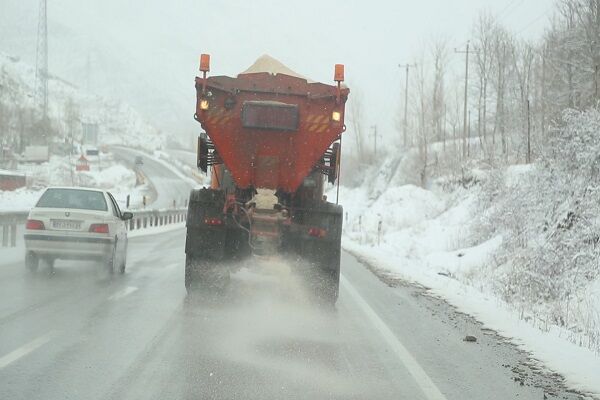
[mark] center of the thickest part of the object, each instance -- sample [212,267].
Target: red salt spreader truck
[271,139]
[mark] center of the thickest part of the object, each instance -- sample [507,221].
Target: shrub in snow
[549,215]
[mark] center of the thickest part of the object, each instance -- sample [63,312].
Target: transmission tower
[41,62]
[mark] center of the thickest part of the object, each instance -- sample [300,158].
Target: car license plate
[66,224]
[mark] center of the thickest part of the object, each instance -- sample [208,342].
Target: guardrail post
[4,235]
[13,236]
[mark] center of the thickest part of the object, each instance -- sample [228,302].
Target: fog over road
[81,334]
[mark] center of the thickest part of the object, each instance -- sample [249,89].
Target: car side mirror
[126,216]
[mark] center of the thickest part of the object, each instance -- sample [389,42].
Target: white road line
[25,349]
[122,293]
[416,371]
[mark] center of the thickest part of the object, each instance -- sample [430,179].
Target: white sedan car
[76,223]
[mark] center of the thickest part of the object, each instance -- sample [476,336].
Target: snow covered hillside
[69,106]
[515,246]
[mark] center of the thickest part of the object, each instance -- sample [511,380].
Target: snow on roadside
[59,171]
[156,230]
[18,200]
[425,238]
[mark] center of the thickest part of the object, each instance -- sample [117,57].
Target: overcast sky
[147,51]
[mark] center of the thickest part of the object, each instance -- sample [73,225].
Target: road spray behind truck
[271,138]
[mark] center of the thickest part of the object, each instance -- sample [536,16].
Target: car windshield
[73,198]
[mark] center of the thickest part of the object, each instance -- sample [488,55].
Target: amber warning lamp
[338,76]
[204,67]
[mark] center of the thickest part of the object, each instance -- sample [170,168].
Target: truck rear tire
[324,253]
[205,245]
[329,287]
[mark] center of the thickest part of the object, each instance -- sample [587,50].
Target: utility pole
[528,158]
[543,95]
[405,122]
[596,80]
[469,134]
[42,60]
[444,128]
[466,92]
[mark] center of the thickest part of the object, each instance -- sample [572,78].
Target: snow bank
[18,200]
[115,176]
[60,171]
[156,230]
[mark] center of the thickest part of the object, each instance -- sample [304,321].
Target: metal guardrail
[8,226]
[142,219]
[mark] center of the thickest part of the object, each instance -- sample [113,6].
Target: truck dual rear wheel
[329,287]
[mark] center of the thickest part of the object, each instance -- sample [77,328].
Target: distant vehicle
[76,223]
[92,152]
[36,154]
[139,160]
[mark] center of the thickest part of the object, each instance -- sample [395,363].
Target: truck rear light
[99,228]
[317,232]
[336,116]
[34,224]
[205,62]
[213,221]
[204,105]
[338,74]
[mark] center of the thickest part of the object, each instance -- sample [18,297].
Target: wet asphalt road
[185,157]
[168,186]
[79,334]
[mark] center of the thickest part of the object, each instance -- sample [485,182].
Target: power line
[405,123]
[466,92]
[530,24]
[509,9]
[41,70]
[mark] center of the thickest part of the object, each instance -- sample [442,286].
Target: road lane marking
[25,349]
[122,293]
[416,371]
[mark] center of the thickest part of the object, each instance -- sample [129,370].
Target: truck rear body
[270,139]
